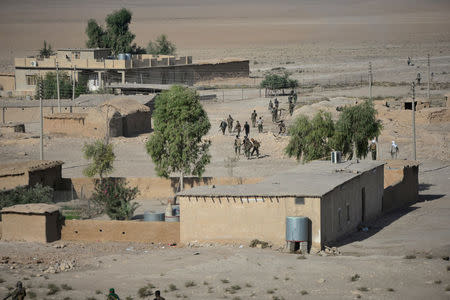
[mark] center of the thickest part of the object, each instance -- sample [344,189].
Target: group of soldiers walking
[250,146]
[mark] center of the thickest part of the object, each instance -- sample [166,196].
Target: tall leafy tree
[65,86]
[180,122]
[161,46]
[276,82]
[310,139]
[116,36]
[356,125]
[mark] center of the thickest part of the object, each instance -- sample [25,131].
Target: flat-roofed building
[336,198]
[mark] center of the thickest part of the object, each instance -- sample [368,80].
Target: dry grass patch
[52,289]
[363,289]
[172,287]
[409,256]
[303,292]
[66,287]
[190,284]
[355,277]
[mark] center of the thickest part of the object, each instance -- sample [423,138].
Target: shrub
[172,287]
[355,277]
[25,195]
[115,198]
[52,289]
[189,284]
[145,291]
[66,287]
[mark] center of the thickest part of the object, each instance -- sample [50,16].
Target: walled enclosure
[31,223]
[120,231]
[7,82]
[401,184]
[316,190]
[29,173]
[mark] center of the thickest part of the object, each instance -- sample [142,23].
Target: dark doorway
[363,204]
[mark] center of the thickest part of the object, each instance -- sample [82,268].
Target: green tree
[102,156]
[310,139]
[355,127]
[116,36]
[65,86]
[161,46]
[25,195]
[276,82]
[180,124]
[46,51]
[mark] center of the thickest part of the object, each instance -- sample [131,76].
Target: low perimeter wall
[152,187]
[120,231]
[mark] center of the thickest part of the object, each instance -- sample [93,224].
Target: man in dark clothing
[418,78]
[112,295]
[274,115]
[238,128]
[246,128]
[282,127]
[291,107]
[276,103]
[230,123]
[256,146]
[158,296]
[270,105]
[295,98]
[253,117]
[19,293]
[223,126]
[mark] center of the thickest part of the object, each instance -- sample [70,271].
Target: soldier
[237,146]
[237,128]
[19,293]
[253,117]
[260,125]
[295,98]
[274,115]
[246,128]
[158,296]
[418,78]
[373,149]
[112,295]
[270,105]
[276,103]
[291,107]
[230,123]
[247,147]
[394,150]
[223,126]
[256,146]
[409,61]
[282,127]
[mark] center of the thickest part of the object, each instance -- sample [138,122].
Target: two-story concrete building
[101,68]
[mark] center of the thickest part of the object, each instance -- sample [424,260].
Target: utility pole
[370,81]
[57,87]
[73,83]
[429,77]
[41,135]
[414,119]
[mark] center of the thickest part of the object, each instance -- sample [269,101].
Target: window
[76,54]
[31,79]
[300,201]
[348,212]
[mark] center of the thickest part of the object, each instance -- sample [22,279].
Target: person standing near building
[230,123]
[237,128]
[394,150]
[237,146]
[246,128]
[418,78]
[373,149]
[223,126]
[260,124]
[253,118]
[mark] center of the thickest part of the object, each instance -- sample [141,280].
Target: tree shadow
[425,186]
[373,227]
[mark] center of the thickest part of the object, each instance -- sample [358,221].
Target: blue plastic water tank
[121,56]
[297,229]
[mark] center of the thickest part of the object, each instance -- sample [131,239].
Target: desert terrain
[327,47]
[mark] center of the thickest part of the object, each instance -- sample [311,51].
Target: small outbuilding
[335,198]
[37,222]
[29,173]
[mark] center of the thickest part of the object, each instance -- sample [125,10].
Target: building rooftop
[32,208]
[314,179]
[27,166]
[82,49]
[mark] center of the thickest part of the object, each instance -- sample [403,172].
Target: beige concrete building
[122,117]
[7,83]
[101,69]
[31,223]
[29,173]
[335,197]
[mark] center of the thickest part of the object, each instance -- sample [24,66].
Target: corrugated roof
[33,208]
[314,179]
